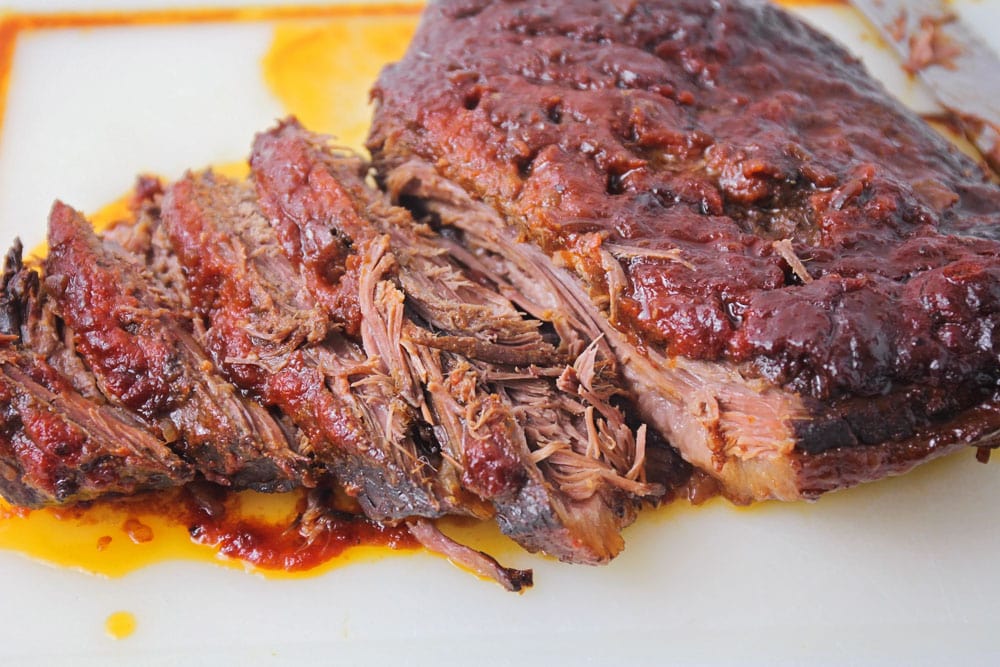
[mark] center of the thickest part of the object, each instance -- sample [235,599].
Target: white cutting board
[899,572]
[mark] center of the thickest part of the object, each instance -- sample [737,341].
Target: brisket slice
[536,436]
[271,338]
[797,275]
[139,345]
[145,238]
[58,444]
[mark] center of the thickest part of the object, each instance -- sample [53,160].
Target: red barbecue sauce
[213,517]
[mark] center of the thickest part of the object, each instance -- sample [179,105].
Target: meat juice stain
[120,624]
[315,72]
[246,531]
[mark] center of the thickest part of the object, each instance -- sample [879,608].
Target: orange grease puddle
[322,73]
[120,624]
[245,530]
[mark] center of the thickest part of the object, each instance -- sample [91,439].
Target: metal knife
[961,72]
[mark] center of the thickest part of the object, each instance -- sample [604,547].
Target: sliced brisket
[59,444]
[273,339]
[139,345]
[797,275]
[530,430]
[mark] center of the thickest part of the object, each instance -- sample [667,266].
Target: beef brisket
[797,275]
[140,347]
[60,443]
[707,212]
[562,470]
[270,336]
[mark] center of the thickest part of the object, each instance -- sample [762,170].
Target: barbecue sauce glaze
[734,184]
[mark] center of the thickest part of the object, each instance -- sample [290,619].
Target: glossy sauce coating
[731,184]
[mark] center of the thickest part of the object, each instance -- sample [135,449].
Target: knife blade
[959,69]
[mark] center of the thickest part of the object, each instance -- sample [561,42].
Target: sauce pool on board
[317,74]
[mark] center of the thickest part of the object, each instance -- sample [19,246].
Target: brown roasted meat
[60,441]
[143,353]
[797,275]
[271,338]
[528,421]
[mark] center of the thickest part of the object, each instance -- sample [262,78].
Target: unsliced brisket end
[139,346]
[530,430]
[749,434]
[56,444]
[271,338]
[798,276]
